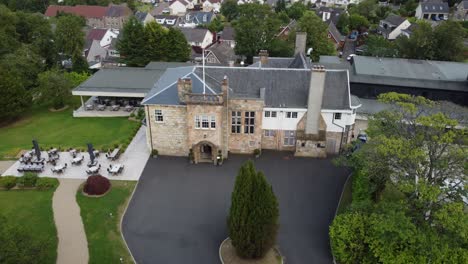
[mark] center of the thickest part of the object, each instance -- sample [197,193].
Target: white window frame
[158,116]
[289,138]
[291,115]
[205,122]
[273,114]
[212,122]
[337,116]
[197,122]
[267,114]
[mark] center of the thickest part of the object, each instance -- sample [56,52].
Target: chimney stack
[263,54]
[184,87]
[301,40]
[314,101]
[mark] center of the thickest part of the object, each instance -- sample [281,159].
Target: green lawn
[61,129]
[103,229]
[32,210]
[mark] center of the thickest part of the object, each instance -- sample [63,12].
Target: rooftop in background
[394,19]
[194,34]
[87,11]
[300,61]
[434,6]
[228,34]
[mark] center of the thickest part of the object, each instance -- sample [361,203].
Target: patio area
[133,159]
[97,106]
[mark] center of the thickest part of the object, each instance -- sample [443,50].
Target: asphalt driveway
[178,212]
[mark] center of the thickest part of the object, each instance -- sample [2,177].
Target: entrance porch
[205,151]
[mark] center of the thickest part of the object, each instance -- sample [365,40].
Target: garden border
[221,258]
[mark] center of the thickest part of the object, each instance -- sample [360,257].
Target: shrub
[154,152]
[116,145]
[28,180]
[8,182]
[140,113]
[132,115]
[361,189]
[96,185]
[46,183]
[257,152]
[253,216]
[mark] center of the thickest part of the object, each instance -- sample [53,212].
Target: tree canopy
[317,37]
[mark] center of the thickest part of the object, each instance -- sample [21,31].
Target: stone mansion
[215,111]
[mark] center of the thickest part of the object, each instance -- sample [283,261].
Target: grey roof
[464,4]
[334,32]
[199,17]
[118,10]
[228,33]
[299,61]
[162,65]
[440,75]
[284,87]
[194,34]
[223,51]
[126,79]
[394,19]
[434,7]
[335,13]
[141,16]
[329,59]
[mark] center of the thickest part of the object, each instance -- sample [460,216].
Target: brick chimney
[314,101]
[263,54]
[184,86]
[301,40]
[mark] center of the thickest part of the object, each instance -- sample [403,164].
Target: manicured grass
[61,129]
[32,209]
[101,218]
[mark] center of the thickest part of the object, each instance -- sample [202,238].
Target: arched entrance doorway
[204,151]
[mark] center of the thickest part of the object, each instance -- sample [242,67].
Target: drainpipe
[342,130]
[148,123]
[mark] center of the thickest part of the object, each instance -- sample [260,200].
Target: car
[350,57]
[354,35]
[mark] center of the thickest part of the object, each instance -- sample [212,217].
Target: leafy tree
[69,36]
[358,22]
[367,9]
[178,48]
[230,9]
[14,99]
[76,78]
[317,37]
[19,246]
[448,38]
[420,45]
[26,63]
[253,216]
[283,17]
[216,25]
[79,63]
[380,47]
[156,49]
[280,6]
[255,28]
[281,48]
[54,88]
[343,24]
[296,10]
[408,8]
[131,44]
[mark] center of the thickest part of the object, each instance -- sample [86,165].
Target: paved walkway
[134,159]
[72,243]
[4,165]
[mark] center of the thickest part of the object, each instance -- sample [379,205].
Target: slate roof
[87,11]
[299,61]
[335,13]
[464,4]
[283,87]
[197,17]
[394,19]
[228,33]
[159,9]
[140,16]
[434,7]
[194,34]
[223,51]
[334,32]
[96,34]
[118,11]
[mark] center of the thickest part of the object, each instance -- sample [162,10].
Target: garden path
[72,243]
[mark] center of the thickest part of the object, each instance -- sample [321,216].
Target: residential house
[104,36]
[97,44]
[144,17]
[228,36]
[198,37]
[334,3]
[409,30]
[220,53]
[391,27]
[212,6]
[196,18]
[331,15]
[335,36]
[161,9]
[112,16]
[117,15]
[461,11]
[432,10]
[167,20]
[286,29]
[241,109]
[178,7]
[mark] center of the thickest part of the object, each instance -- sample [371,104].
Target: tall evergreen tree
[177,47]
[253,216]
[132,44]
[155,45]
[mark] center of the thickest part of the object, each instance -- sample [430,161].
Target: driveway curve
[178,212]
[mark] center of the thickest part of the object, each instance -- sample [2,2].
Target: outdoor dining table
[89,107]
[115,107]
[77,160]
[73,152]
[128,108]
[114,154]
[93,169]
[116,168]
[59,168]
[52,151]
[31,167]
[101,107]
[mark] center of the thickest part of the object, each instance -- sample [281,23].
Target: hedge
[46,183]
[28,180]
[8,182]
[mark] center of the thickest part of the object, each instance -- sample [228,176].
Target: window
[205,123]
[289,137]
[197,122]
[158,116]
[270,133]
[213,122]
[273,114]
[270,114]
[249,124]
[337,116]
[267,113]
[291,114]
[235,122]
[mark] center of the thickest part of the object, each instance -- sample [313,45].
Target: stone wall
[170,136]
[246,143]
[333,142]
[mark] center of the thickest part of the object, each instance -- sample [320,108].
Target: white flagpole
[203,57]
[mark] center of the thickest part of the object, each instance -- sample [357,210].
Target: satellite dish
[309,51]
